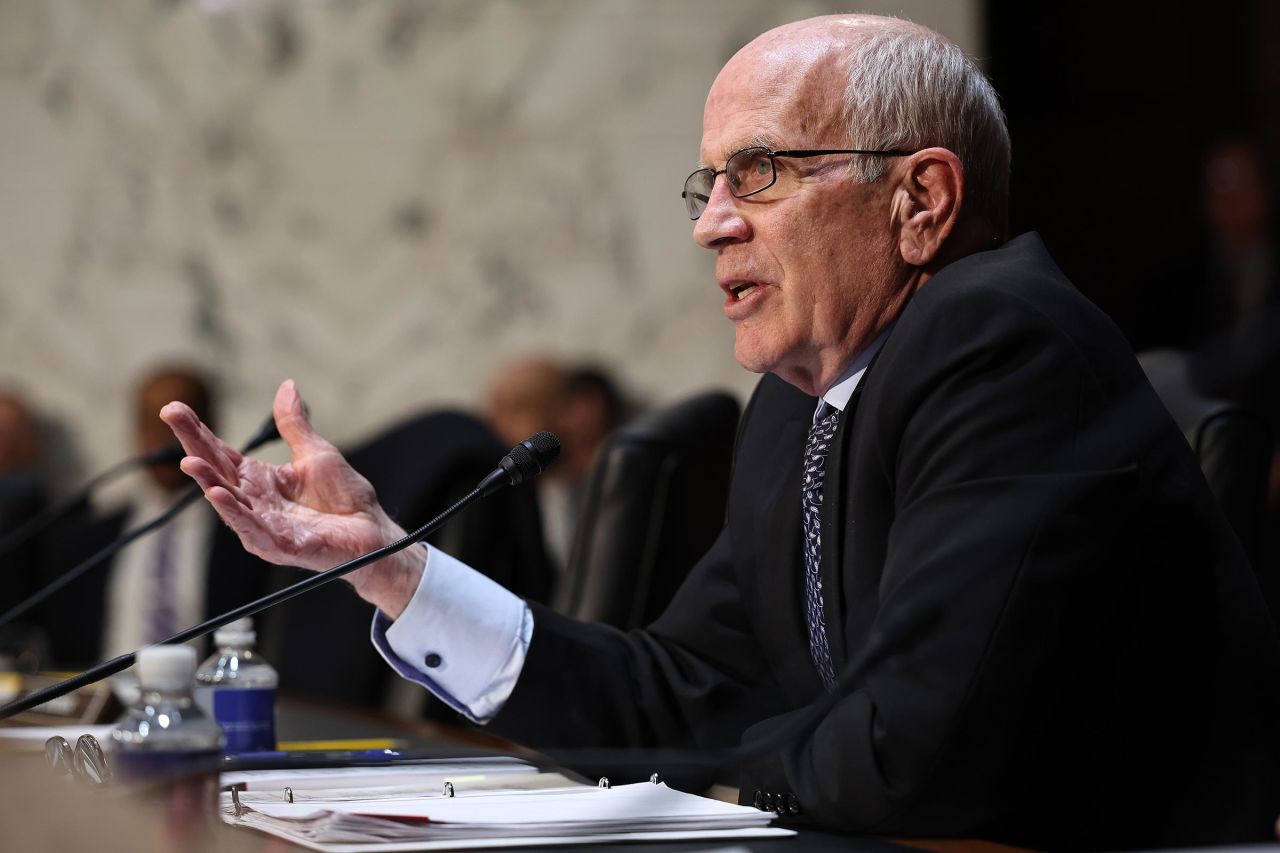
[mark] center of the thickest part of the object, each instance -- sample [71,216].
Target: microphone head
[531,457]
[169,454]
[266,434]
[545,447]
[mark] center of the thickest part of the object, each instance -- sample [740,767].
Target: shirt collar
[838,394]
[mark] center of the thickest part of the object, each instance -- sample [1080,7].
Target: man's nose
[722,222]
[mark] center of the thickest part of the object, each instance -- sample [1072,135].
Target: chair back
[654,503]
[1232,444]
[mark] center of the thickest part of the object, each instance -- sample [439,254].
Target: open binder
[463,805]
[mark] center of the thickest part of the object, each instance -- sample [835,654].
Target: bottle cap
[166,668]
[237,633]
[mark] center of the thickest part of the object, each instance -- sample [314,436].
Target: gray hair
[910,88]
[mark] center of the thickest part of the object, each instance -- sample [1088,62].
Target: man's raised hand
[314,512]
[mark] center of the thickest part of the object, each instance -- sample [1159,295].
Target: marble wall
[383,200]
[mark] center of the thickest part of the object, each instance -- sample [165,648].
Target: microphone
[266,434]
[526,460]
[170,453]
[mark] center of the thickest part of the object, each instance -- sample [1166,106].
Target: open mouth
[743,289]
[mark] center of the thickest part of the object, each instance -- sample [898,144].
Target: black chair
[320,641]
[1232,444]
[655,502]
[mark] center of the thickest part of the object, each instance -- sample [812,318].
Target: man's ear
[930,193]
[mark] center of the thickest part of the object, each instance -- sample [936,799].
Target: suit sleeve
[691,681]
[1010,495]
[687,681]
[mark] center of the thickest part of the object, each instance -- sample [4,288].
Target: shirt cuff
[462,636]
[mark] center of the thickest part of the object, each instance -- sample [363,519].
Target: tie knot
[825,421]
[821,434]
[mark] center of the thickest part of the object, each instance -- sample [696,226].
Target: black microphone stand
[21,534]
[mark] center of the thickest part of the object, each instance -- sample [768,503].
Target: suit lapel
[839,524]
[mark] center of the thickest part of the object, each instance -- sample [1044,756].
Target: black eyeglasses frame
[692,198]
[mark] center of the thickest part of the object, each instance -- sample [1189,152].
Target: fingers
[253,531]
[199,441]
[293,423]
[208,478]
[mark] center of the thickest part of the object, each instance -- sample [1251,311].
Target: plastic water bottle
[165,734]
[238,689]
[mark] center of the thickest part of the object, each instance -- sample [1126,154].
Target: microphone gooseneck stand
[20,535]
[526,460]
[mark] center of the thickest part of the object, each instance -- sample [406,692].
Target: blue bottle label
[151,765]
[248,717]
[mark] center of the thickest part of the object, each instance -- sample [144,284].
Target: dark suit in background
[1068,647]
[22,498]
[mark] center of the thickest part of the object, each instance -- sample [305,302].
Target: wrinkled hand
[315,512]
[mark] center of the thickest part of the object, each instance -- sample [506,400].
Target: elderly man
[971,581]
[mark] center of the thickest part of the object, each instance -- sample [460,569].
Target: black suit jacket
[1057,640]
[74,618]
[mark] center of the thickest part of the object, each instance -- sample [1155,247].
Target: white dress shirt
[130,589]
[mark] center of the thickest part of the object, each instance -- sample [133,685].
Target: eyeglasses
[752,170]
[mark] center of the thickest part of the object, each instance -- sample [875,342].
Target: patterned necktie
[815,462]
[160,616]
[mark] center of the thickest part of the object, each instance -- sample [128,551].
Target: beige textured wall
[383,200]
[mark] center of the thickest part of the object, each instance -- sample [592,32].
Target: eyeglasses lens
[749,171]
[697,191]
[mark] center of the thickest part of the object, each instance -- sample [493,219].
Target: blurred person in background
[579,403]
[23,496]
[1240,273]
[1237,353]
[1212,292]
[1243,265]
[162,582]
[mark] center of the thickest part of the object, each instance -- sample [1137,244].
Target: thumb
[293,423]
